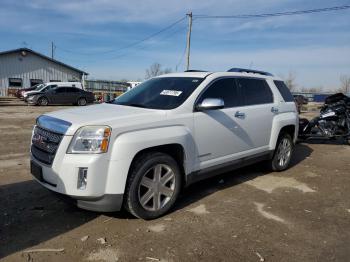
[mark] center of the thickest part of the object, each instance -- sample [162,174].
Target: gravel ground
[302,214]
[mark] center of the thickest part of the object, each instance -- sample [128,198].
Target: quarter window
[281,86]
[255,91]
[225,89]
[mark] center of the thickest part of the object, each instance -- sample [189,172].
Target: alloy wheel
[82,102]
[284,152]
[157,187]
[43,102]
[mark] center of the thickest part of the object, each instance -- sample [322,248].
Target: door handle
[274,110]
[239,114]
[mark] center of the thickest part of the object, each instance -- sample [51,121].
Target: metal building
[23,67]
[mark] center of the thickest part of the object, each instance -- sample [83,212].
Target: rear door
[71,95]
[257,112]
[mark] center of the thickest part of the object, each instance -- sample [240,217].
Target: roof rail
[193,70]
[243,70]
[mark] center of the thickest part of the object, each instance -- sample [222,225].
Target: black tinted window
[61,90]
[72,90]
[255,91]
[160,92]
[287,96]
[225,89]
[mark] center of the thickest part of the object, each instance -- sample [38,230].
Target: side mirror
[211,104]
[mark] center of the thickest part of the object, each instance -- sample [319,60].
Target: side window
[61,90]
[225,89]
[281,86]
[49,87]
[255,91]
[72,90]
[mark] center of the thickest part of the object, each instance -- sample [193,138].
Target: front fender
[127,145]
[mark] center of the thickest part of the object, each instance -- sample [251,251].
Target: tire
[43,101]
[82,101]
[283,153]
[146,195]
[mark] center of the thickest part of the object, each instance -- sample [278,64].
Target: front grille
[45,144]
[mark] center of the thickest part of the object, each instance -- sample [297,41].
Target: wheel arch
[174,150]
[286,122]
[289,129]
[174,141]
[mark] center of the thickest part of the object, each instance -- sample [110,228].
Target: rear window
[286,94]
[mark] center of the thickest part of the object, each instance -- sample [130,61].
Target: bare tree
[290,81]
[345,84]
[156,70]
[317,89]
[304,89]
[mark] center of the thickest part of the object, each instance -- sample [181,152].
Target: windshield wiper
[136,105]
[131,104]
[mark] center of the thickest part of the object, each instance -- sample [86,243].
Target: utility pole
[52,49]
[188,45]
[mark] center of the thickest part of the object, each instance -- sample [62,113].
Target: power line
[243,16]
[130,45]
[140,48]
[299,12]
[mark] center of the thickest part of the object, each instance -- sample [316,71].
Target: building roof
[42,56]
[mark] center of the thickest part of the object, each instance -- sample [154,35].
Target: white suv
[141,149]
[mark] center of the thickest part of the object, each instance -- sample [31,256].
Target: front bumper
[86,199]
[105,203]
[31,101]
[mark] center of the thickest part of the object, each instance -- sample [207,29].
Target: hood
[105,114]
[29,93]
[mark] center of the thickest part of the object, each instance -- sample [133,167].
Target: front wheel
[283,153]
[153,185]
[43,101]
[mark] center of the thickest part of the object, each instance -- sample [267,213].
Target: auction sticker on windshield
[170,93]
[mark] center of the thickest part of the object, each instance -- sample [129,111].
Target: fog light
[82,178]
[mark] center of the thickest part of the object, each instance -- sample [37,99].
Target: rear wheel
[153,185]
[283,153]
[43,101]
[82,101]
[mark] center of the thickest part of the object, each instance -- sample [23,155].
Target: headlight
[90,139]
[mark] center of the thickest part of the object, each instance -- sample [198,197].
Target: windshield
[39,87]
[160,93]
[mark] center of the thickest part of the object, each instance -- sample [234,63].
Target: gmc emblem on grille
[39,139]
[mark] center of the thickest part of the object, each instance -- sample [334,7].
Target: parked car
[141,149]
[20,92]
[61,95]
[44,87]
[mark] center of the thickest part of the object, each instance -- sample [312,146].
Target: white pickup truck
[141,149]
